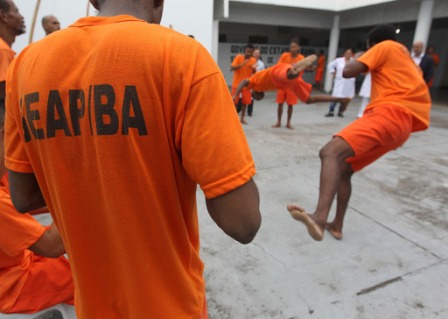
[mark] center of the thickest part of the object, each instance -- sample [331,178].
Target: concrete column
[215,40]
[332,51]
[424,22]
[226,8]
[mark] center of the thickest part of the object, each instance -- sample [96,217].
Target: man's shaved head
[50,24]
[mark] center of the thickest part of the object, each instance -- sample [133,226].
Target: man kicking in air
[284,76]
[400,104]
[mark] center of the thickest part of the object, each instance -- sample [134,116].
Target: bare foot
[314,229]
[243,122]
[276,125]
[337,234]
[289,126]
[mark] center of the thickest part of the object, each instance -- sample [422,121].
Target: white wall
[67,11]
[191,17]
[334,5]
[188,17]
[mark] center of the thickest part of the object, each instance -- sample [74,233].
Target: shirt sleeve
[237,60]
[16,158]
[374,57]
[6,58]
[215,152]
[19,231]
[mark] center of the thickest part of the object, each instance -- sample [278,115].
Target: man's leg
[333,165]
[327,98]
[279,116]
[238,106]
[250,108]
[243,113]
[288,123]
[343,107]
[365,101]
[342,199]
[330,109]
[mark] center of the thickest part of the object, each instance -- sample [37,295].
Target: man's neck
[114,8]
[7,37]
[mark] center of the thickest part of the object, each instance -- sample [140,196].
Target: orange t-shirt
[262,81]
[286,57]
[19,232]
[275,77]
[320,68]
[244,72]
[118,138]
[396,80]
[6,57]
[435,57]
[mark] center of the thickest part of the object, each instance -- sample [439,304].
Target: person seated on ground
[34,274]
[285,76]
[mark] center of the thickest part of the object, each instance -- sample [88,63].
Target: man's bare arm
[354,68]
[25,192]
[49,244]
[237,212]
[240,87]
[236,67]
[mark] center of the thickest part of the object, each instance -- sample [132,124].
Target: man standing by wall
[50,24]
[242,67]
[293,56]
[425,62]
[344,88]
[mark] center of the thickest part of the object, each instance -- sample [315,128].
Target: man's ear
[2,15]
[158,3]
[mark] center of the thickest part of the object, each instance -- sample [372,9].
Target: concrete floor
[393,259]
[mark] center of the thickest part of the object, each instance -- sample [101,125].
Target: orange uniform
[284,95]
[319,69]
[241,74]
[118,138]
[6,57]
[435,57]
[400,104]
[275,77]
[28,282]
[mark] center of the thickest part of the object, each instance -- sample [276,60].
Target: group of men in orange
[117,159]
[248,84]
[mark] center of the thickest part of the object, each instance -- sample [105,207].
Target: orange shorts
[245,95]
[381,129]
[49,283]
[286,96]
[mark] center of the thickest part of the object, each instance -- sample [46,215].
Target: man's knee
[337,149]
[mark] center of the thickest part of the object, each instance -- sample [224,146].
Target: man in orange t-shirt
[12,24]
[319,70]
[293,56]
[400,104]
[242,67]
[115,142]
[30,282]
